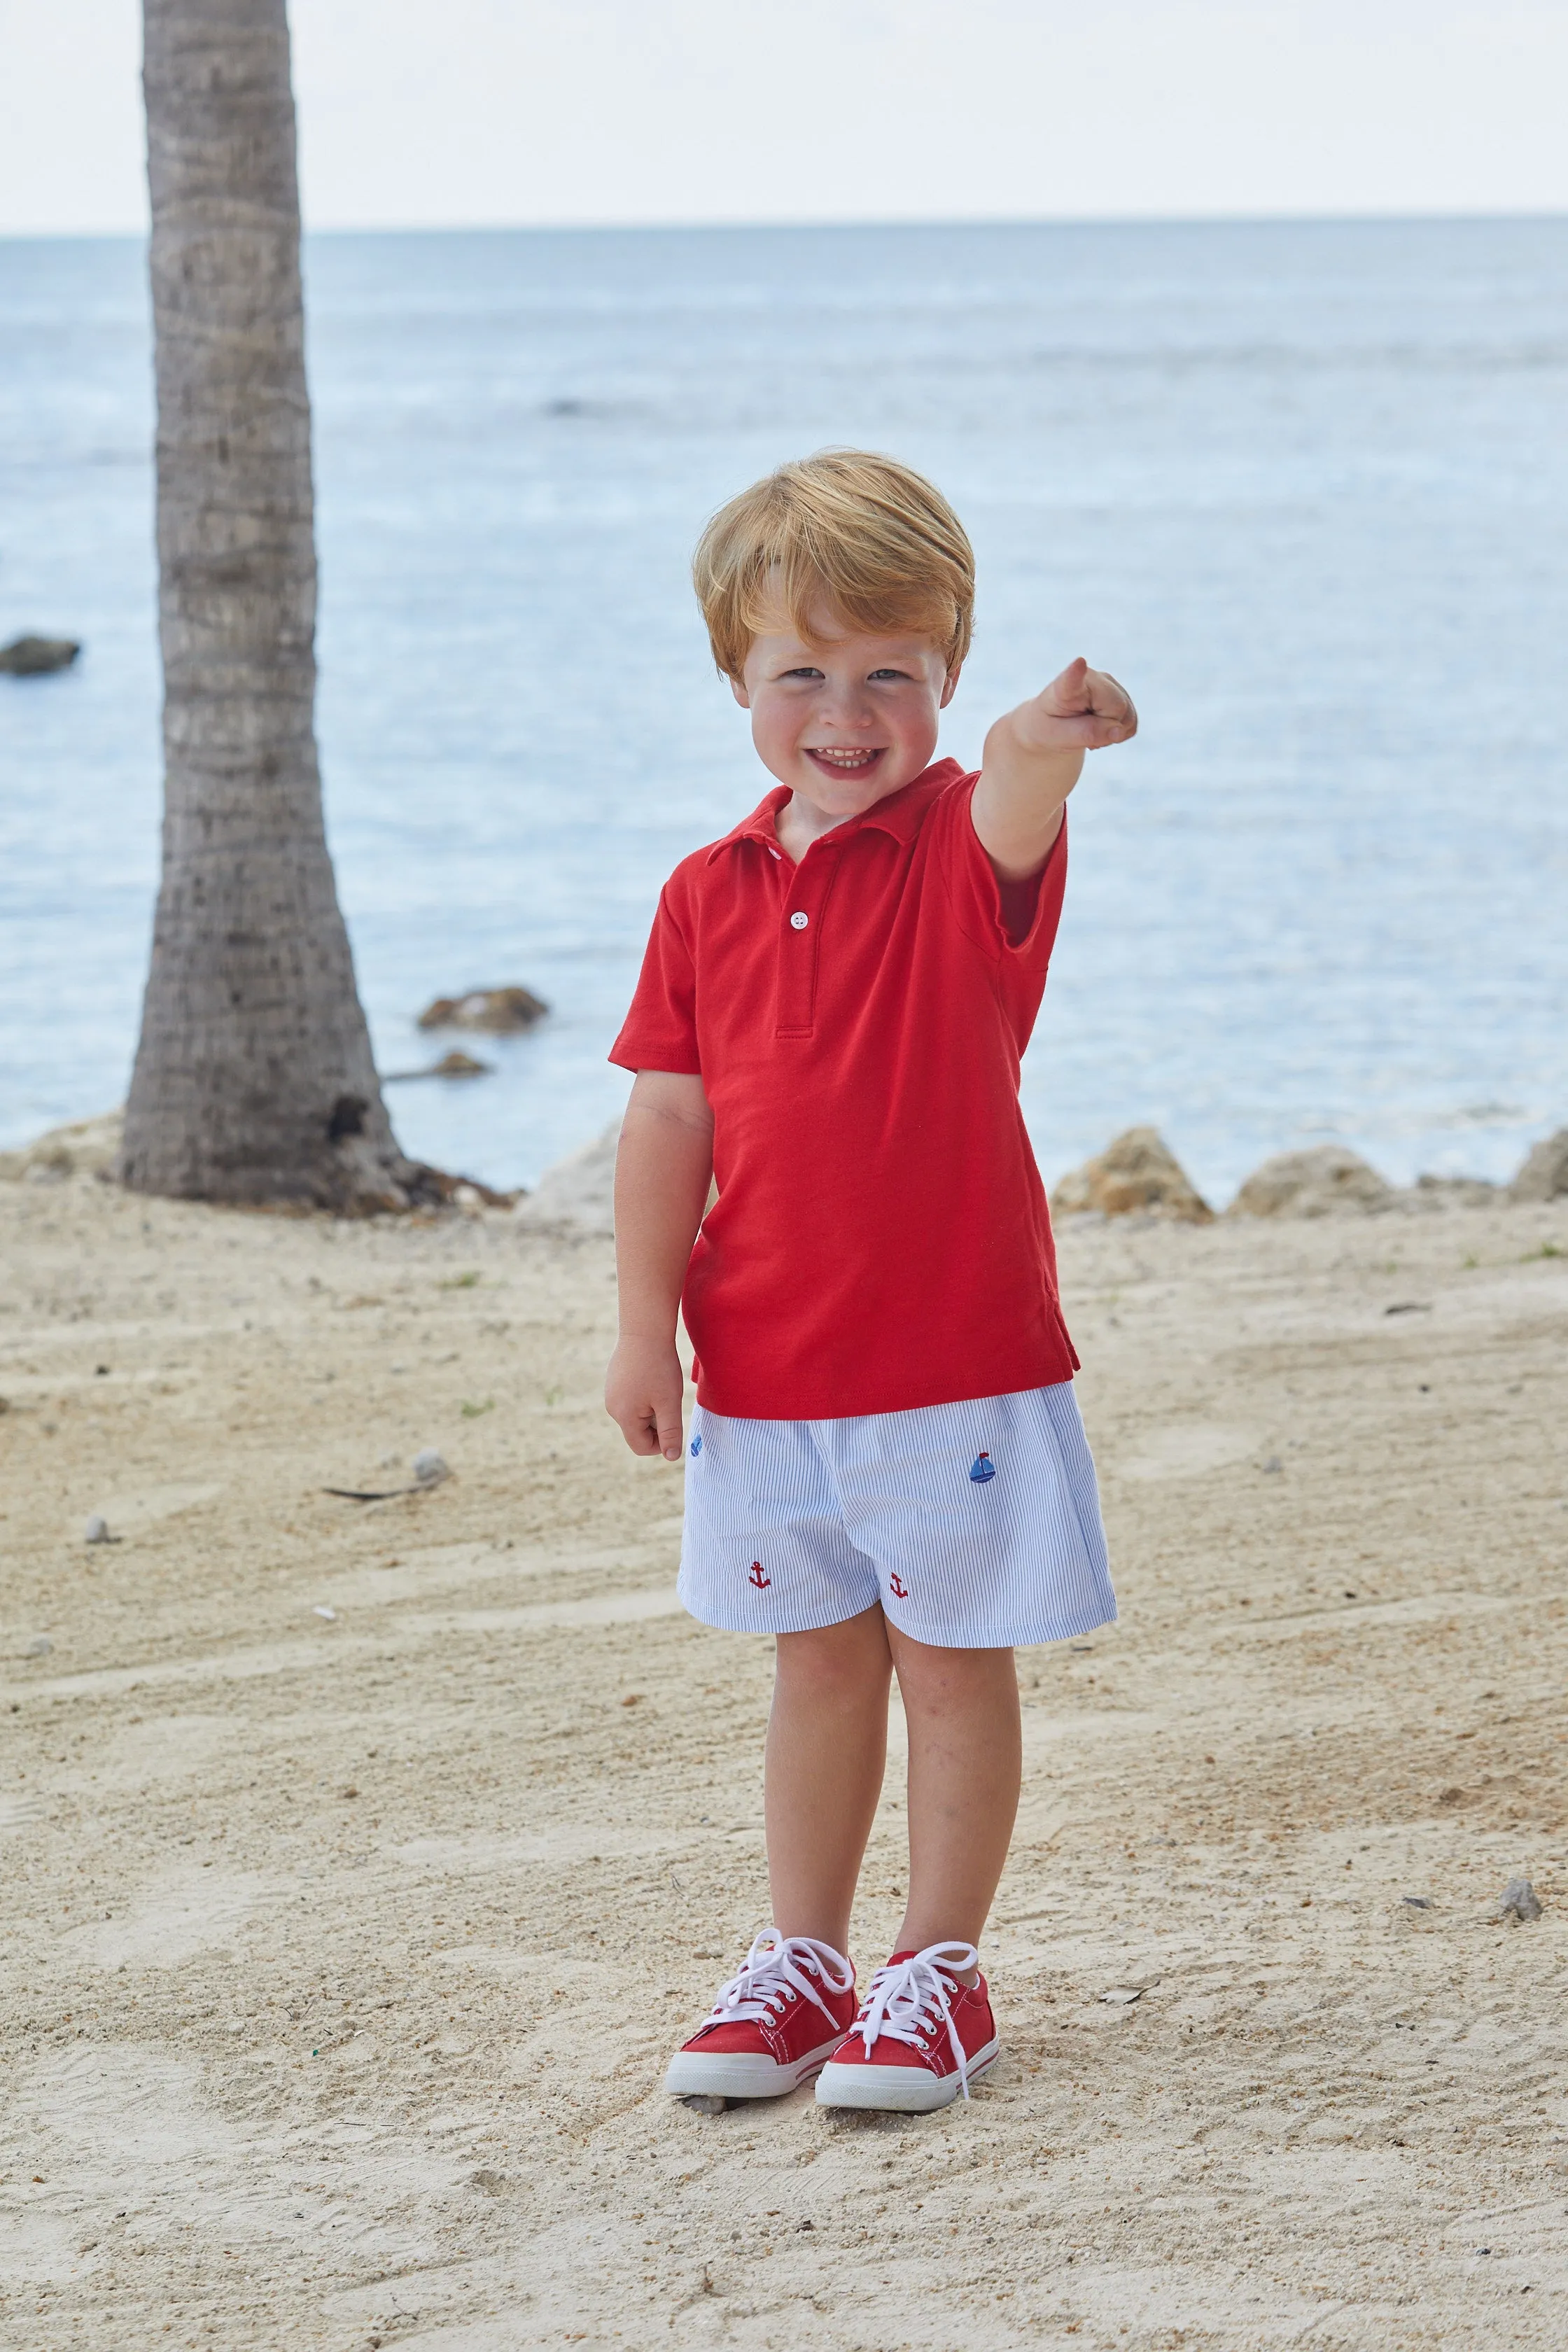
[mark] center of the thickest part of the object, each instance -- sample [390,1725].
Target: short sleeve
[660,1033]
[978,903]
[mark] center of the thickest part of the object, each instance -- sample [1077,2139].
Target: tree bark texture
[254,1080]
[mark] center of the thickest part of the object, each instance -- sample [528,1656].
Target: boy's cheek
[774,742]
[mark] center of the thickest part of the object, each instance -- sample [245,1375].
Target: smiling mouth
[845,763]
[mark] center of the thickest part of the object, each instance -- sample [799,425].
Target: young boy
[888,1472]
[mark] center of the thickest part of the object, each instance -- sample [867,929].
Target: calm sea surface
[1304,488]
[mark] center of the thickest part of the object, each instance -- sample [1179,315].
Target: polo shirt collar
[759,826]
[899,814]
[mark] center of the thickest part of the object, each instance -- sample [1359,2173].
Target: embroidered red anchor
[898,1588]
[754,1576]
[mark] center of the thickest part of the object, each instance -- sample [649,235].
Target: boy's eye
[815,676]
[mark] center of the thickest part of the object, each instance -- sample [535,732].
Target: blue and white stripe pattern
[976,1525]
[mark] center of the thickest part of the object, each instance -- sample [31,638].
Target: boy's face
[842,719]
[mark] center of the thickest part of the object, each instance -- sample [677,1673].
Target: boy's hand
[1033,758]
[643,1392]
[663,1167]
[1083,710]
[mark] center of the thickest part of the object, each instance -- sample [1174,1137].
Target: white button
[798,920]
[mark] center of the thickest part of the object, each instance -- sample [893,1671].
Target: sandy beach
[362,1860]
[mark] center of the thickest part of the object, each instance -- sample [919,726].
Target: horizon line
[677,226]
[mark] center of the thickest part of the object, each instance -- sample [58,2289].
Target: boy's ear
[950,685]
[737,689]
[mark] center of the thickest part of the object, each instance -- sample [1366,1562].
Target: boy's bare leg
[965,1767]
[827,1744]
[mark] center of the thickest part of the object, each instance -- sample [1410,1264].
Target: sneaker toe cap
[727,2041]
[884,2051]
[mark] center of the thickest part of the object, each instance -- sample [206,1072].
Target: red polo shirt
[880,1237]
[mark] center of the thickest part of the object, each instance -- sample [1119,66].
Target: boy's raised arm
[1032,760]
[663,1168]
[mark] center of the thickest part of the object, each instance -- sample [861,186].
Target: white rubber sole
[899,2090]
[742,2073]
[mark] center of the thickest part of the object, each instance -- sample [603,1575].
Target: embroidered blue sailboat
[984,1468]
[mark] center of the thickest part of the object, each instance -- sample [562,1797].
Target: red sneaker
[773,2024]
[920,2037]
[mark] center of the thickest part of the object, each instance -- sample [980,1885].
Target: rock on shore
[499,1011]
[1316,1183]
[578,1191]
[455,1064]
[1138,1171]
[1545,1175]
[37,656]
[1139,1174]
[90,1147]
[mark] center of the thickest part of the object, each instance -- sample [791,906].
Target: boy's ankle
[906,1947]
[839,1944]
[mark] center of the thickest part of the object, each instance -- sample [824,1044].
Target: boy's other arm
[1032,760]
[663,1168]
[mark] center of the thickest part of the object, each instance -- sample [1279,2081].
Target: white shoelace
[909,2000]
[775,1971]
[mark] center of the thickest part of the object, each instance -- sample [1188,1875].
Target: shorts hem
[1033,1635]
[799,1621]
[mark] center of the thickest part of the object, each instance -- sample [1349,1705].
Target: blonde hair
[868,538]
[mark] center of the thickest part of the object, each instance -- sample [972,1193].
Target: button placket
[799,933]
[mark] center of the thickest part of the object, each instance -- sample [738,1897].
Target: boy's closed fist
[643,1392]
[1084,709]
[1032,758]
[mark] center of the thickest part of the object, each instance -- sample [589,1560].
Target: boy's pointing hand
[1032,760]
[1084,709]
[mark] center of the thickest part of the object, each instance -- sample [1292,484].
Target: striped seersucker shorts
[976,1525]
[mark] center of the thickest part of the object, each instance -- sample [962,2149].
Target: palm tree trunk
[254,1080]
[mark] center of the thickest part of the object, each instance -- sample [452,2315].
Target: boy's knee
[836,1658]
[927,1672]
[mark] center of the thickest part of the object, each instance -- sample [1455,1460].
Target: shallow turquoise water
[1304,487]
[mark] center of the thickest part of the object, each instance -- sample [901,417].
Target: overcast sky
[490,112]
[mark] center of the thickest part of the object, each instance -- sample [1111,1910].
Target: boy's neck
[800,821]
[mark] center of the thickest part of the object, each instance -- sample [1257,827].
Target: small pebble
[322,1611]
[429,1467]
[1519,1901]
[701,2104]
[97,1529]
[1120,1995]
[39,1648]
[1417,1902]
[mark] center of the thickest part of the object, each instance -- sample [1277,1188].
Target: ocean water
[1305,487]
